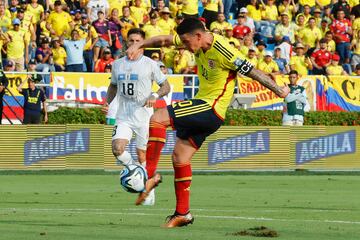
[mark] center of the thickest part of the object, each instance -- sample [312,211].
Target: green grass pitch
[72,205]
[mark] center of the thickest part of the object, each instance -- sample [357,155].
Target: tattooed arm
[266,81]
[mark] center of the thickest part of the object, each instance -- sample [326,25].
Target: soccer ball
[133,178]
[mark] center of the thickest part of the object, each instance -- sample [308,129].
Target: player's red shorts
[193,120]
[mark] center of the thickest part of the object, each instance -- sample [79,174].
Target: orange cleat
[177,220]
[150,185]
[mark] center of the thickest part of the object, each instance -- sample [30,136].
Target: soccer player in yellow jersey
[218,65]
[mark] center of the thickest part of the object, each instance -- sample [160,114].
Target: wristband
[155,95]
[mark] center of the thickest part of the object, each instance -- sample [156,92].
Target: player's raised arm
[158,41]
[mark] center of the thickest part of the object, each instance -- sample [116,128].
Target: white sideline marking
[107,212]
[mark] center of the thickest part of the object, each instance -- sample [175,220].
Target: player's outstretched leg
[151,183]
[157,137]
[182,155]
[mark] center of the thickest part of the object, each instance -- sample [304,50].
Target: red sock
[157,138]
[183,177]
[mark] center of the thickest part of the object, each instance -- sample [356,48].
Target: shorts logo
[211,63]
[243,66]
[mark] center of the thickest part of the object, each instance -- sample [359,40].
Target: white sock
[125,158]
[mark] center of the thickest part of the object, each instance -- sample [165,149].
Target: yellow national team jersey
[331,47]
[254,61]
[217,73]
[311,3]
[221,26]
[36,11]
[324,2]
[270,13]
[117,4]
[83,33]
[334,70]
[212,5]
[60,22]
[15,48]
[268,67]
[5,23]
[190,7]
[152,31]
[310,36]
[254,13]
[138,14]
[235,41]
[299,64]
[44,30]
[167,26]
[289,10]
[59,55]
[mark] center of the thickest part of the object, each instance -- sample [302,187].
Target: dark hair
[136,31]
[293,72]
[189,25]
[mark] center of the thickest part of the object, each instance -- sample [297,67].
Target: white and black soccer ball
[133,178]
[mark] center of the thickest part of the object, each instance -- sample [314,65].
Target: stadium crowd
[277,36]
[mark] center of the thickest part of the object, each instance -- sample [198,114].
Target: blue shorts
[101,43]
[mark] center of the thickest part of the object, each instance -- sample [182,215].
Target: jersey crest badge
[211,63]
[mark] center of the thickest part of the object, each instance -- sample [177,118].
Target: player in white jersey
[131,82]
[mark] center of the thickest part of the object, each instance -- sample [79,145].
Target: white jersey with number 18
[134,82]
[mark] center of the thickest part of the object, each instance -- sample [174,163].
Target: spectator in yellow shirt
[285,28]
[261,46]
[152,29]
[306,13]
[254,12]
[230,38]
[59,55]
[17,46]
[5,21]
[324,28]
[311,35]
[211,10]
[334,68]
[37,10]
[300,23]
[220,23]
[300,62]
[126,22]
[269,17]
[247,44]
[44,32]
[306,3]
[166,23]
[289,7]
[190,8]
[181,62]
[252,57]
[269,66]
[59,22]
[138,13]
[331,45]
